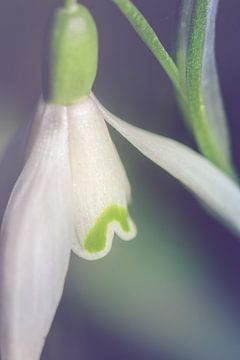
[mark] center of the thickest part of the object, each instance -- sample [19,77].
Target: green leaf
[184,28]
[198,62]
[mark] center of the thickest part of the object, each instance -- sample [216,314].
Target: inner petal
[100,186]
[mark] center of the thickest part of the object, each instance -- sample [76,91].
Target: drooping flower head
[100,186]
[72,192]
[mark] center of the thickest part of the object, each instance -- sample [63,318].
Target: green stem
[150,38]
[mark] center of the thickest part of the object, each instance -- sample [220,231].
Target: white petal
[36,237]
[101,187]
[210,83]
[218,192]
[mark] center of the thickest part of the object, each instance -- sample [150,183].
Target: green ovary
[95,241]
[71,55]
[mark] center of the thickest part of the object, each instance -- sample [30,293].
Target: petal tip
[98,241]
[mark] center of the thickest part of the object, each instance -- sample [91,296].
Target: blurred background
[172,293]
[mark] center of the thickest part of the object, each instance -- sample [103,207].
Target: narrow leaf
[210,83]
[183,35]
[208,116]
[184,28]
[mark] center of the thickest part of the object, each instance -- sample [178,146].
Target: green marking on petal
[96,239]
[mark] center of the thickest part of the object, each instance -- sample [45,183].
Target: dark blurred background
[172,293]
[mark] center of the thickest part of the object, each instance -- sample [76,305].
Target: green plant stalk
[149,37]
[204,136]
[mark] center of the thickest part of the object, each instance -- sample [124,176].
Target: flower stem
[150,38]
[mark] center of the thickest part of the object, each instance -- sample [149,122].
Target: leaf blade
[203,88]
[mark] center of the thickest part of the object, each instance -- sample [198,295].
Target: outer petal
[101,188]
[217,191]
[36,238]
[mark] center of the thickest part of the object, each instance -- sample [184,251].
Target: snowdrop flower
[73,191]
